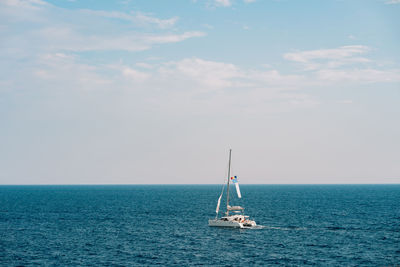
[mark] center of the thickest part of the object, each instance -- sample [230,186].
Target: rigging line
[222,191]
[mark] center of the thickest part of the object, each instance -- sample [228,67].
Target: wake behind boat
[238,219]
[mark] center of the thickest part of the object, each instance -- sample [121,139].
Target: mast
[227,188]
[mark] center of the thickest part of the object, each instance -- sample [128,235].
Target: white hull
[220,223]
[231,223]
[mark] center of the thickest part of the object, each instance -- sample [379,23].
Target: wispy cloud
[359,75]
[69,39]
[53,38]
[227,3]
[224,3]
[161,23]
[343,64]
[329,58]
[392,2]
[164,85]
[136,18]
[64,71]
[335,53]
[135,74]
[30,4]
[78,30]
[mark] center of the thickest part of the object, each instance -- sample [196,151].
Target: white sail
[219,202]
[238,190]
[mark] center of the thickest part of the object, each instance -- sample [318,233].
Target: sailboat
[237,219]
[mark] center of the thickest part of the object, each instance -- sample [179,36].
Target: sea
[167,225]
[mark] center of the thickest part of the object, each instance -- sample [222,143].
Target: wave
[289,228]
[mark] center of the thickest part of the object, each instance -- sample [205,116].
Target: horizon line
[199,184]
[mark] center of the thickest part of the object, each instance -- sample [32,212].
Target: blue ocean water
[336,225]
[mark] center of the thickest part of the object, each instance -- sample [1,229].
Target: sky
[157,92]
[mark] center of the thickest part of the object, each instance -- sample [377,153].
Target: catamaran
[237,219]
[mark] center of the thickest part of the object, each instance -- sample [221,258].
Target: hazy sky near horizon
[126,92]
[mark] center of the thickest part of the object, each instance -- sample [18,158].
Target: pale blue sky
[109,92]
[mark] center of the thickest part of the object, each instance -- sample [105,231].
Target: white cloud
[343,64]
[210,74]
[359,75]
[166,23]
[392,2]
[340,53]
[249,1]
[198,85]
[329,58]
[63,71]
[224,3]
[136,18]
[171,38]
[213,76]
[208,82]
[184,86]
[55,39]
[83,30]
[135,74]
[188,85]
[30,4]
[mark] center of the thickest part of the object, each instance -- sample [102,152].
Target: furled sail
[235,208]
